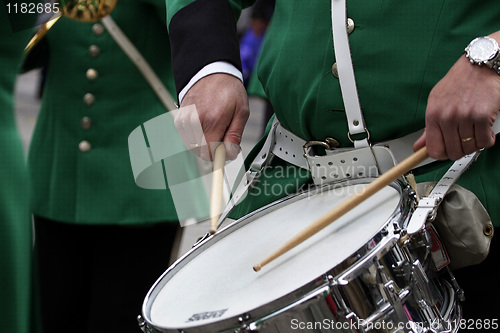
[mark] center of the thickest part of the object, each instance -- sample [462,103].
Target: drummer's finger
[435,142]
[215,128]
[195,131]
[484,134]
[184,126]
[452,142]
[233,135]
[180,126]
[467,137]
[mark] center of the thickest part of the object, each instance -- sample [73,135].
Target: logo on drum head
[206,315]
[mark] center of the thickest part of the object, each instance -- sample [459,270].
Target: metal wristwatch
[484,51]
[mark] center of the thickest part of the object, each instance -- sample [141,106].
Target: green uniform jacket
[400,50]
[15,226]
[94,97]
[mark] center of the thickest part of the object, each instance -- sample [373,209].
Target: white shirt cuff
[215,67]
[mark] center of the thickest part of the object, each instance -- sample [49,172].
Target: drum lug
[395,298]
[344,312]
[397,229]
[243,321]
[422,292]
[353,318]
[142,324]
[456,286]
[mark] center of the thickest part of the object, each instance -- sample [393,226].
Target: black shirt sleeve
[201,33]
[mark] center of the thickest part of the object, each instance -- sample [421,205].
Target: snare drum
[358,274]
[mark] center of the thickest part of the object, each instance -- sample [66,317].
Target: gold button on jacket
[91,74]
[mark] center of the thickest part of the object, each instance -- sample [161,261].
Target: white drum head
[219,283]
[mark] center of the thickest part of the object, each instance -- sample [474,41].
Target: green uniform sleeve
[175,6]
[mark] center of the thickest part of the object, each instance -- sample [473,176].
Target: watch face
[482,49]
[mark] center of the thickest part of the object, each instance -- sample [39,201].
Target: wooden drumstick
[348,204]
[217,186]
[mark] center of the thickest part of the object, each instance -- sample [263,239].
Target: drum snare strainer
[356,275]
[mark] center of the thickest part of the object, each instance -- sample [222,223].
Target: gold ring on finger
[470,138]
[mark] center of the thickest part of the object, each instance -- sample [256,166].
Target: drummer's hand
[461,110]
[222,107]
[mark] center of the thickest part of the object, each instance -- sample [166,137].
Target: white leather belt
[338,163]
[290,147]
[293,149]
